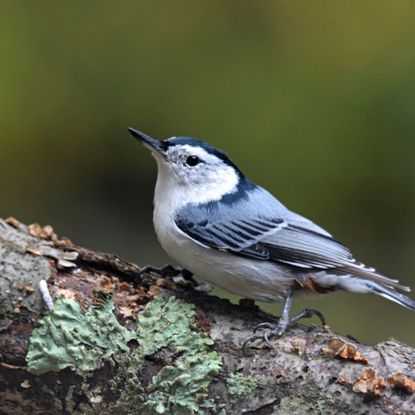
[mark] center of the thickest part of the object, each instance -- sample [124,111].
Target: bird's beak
[152,144]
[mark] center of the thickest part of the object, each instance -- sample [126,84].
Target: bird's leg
[272,329]
[284,322]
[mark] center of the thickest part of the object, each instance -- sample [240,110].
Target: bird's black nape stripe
[207,147]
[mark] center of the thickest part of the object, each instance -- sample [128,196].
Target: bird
[221,226]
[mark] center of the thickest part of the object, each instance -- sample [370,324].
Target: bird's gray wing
[236,223]
[252,223]
[305,248]
[261,236]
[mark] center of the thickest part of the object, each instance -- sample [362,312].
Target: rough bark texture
[147,342]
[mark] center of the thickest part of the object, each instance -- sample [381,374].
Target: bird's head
[193,165]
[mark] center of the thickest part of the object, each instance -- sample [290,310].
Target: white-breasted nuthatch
[222,227]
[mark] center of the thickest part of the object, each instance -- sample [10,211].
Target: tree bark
[122,341]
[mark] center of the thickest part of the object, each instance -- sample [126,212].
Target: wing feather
[255,225]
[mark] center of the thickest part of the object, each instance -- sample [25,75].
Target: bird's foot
[271,330]
[277,330]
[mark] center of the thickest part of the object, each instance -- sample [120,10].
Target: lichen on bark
[67,337]
[241,385]
[181,386]
[309,370]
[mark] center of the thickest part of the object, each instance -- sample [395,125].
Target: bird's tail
[392,295]
[359,285]
[366,279]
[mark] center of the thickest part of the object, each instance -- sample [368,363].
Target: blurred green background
[313,100]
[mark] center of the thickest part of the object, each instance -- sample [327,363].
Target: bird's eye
[193,161]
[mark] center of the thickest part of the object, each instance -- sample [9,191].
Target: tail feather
[393,295]
[360,270]
[355,284]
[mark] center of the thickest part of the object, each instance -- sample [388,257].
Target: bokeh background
[313,100]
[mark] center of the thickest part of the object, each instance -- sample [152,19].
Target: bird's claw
[277,330]
[273,331]
[250,339]
[261,326]
[267,338]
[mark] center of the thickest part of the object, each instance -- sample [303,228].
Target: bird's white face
[189,171]
[198,175]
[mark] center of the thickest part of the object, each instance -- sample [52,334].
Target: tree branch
[119,340]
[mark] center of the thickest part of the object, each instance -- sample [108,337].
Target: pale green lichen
[304,405]
[212,407]
[295,405]
[241,385]
[66,337]
[180,387]
[128,384]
